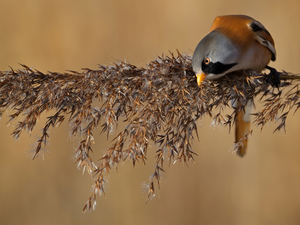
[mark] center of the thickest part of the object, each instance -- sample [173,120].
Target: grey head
[214,56]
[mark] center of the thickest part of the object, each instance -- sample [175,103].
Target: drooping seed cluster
[161,105]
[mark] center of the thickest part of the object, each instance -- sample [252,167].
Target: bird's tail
[242,127]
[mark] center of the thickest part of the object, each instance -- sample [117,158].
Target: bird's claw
[273,77]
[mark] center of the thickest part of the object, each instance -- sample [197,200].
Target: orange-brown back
[238,29]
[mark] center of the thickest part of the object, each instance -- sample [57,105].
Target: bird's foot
[273,77]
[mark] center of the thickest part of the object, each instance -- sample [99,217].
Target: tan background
[220,188]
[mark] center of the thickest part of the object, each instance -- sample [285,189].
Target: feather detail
[268,45]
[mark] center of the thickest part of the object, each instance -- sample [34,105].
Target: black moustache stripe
[216,68]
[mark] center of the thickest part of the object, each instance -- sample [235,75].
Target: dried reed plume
[160,103]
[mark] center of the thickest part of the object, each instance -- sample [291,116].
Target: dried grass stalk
[160,103]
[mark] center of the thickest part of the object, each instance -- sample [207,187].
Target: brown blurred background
[220,188]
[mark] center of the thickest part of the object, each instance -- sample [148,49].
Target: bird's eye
[206,61]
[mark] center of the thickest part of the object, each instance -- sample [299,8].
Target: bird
[235,43]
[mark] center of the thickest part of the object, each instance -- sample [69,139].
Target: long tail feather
[242,127]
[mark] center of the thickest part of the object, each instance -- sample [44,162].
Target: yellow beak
[200,78]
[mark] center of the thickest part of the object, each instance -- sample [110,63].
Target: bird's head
[214,56]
